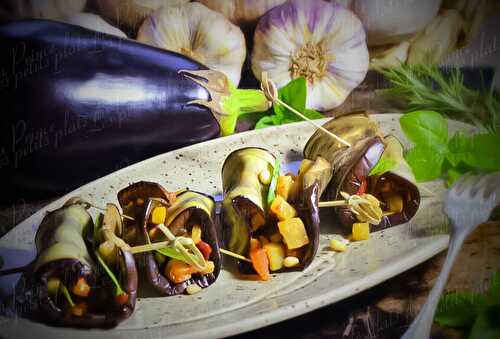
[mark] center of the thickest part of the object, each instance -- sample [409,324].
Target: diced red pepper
[205,249]
[121,299]
[362,188]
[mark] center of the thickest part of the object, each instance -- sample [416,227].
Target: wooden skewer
[234,255]
[333,203]
[162,244]
[271,93]
[124,216]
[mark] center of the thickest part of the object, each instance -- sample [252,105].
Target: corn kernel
[193,289]
[159,214]
[290,261]
[360,231]
[337,245]
[196,234]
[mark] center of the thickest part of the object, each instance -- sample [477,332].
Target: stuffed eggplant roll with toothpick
[373,168]
[272,220]
[70,283]
[177,237]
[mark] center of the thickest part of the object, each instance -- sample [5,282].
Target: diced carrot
[81,288]
[78,310]
[178,271]
[260,263]
[121,299]
[205,249]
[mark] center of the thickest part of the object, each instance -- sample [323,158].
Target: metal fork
[468,203]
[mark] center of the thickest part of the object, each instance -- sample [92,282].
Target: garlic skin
[93,22]
[392,21]
[242,12]
[437,40]
[321,41]
[131,13]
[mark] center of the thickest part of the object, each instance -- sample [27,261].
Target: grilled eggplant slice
[352,166]
[63,255]
[244,209]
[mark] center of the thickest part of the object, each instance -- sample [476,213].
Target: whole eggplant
[62,252]
[78,104]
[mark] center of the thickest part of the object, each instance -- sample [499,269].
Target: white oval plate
[233,305]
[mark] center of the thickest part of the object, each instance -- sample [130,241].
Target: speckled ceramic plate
[233,305]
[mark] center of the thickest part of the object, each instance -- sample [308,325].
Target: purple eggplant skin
[78,104]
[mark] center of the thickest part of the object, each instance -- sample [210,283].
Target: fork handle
[421,325]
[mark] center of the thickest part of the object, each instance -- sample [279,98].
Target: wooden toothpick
[271,93]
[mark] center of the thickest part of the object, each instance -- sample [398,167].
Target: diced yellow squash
[108,251]
[394,203]
[283,186]
[305,165]
[53,286]
[276,254]
[158,215]
[360,231]
[263,240]
[337,245]
[196,233]
[254,243]
[257,221]
[282,209]
[293,232]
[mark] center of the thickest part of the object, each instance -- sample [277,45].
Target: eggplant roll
[72,95]
[64,286]
[245,212]
[187,214]
[352,165]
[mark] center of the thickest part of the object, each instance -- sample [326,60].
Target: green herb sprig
[434,155]
[293,94]
[474,311]
[425,87]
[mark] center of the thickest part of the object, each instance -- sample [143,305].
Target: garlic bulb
[390,21]
[437,40]
[200,33]
[242,12]
[43,9]
[131,13]
[93,22]
[321,41]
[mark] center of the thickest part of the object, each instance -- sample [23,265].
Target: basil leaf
[312,114]
[425,162]
[271,193]
[487,324]
[479,151]
[295,93]
[171,252]
[458,309]
[111,275]
[383,166]
[266,121]
[427,128]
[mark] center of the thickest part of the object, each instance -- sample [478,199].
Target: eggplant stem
[271,93]
[234,255]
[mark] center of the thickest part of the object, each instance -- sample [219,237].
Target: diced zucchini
[275,254]
[282,209]
[284,185]
[53,286]
[293,232]
[360,231]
